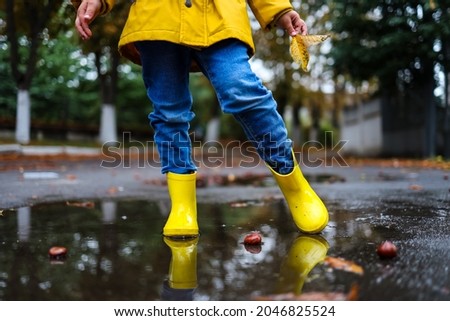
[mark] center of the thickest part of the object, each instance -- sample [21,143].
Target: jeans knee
[171,117]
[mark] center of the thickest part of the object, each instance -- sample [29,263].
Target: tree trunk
[108,133]
[23,116]
[36,21]
[213,130]
[430,114]
[315,127]
[108,91]
[447,118]
[24,223]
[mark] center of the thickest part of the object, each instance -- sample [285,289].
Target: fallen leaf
[157,182]
[299,48]
[113,190]
[415,187]
[353,294]
[239,204]
[345,265]
[71,177]
[309,296]
[81,204]
[231,177]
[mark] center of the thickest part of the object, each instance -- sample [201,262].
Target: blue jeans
[165,71]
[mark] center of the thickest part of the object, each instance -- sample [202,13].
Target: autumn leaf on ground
[113,190]
[345,265]
[71,177]
[81,204]
[299,48]
[352,295]
[310,296]
[415,187]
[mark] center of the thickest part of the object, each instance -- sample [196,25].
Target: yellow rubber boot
[307,209]
[183,264]
[305,253]
[182,220]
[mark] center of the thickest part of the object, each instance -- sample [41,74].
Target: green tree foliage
[132,103]
[292,86]
[401,44]
[65,89]
[7,88]
[26,27]
[391,40]
[119,81]
[26,24]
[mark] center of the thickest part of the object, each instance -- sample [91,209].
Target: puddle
[115,251]
[40,175]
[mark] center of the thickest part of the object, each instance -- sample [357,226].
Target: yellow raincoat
[202,24]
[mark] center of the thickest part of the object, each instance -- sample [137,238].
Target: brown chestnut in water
[387,250]
[254,249]
[254,238]
[57,252]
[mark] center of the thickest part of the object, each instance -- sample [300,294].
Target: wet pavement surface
[110,221]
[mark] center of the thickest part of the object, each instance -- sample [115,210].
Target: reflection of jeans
[171,294]
[239,91]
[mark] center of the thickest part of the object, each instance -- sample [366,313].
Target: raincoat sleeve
[106,5]
[267,12]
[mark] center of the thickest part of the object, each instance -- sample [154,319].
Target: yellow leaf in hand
[299,48]
[311,40]
[299,52]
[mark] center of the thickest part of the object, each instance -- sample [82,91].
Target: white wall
[361,126]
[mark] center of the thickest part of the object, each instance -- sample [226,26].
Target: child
[171,38]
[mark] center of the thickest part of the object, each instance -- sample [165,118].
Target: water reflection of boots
[305,253]
[182,281]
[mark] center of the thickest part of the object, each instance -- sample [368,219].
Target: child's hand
[292,23]
[86,13]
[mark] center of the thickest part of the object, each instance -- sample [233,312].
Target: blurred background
[380,83]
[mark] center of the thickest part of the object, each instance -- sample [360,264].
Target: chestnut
[57,252]
[254,249]
[254,238]
[387,250]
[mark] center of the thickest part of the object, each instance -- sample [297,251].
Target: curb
[49,150]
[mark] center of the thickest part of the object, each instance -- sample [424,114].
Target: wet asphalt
[368,203]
